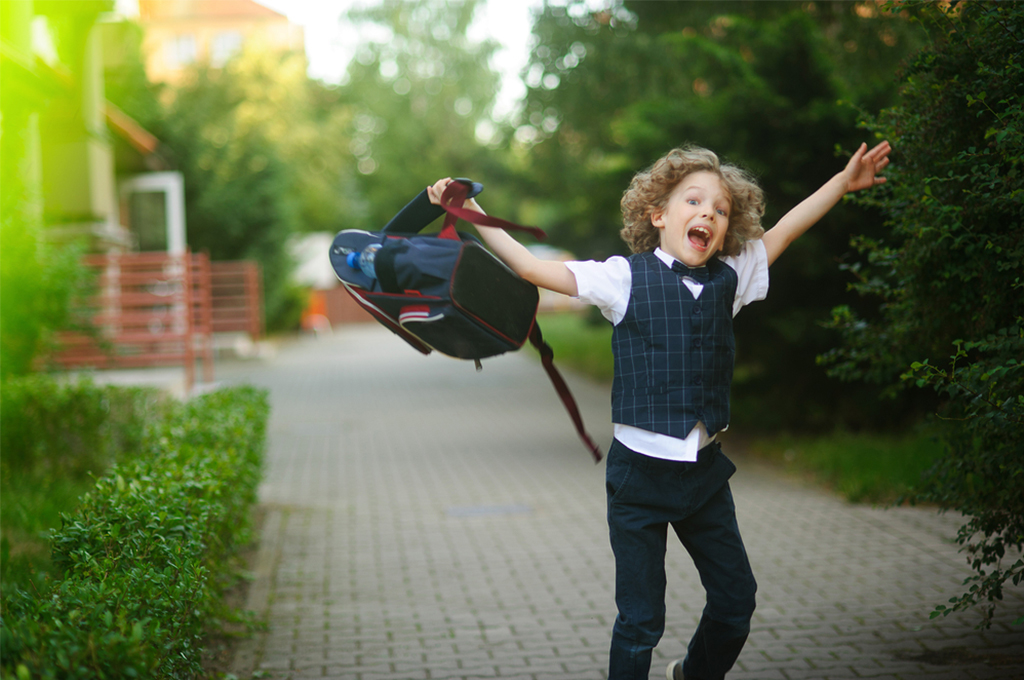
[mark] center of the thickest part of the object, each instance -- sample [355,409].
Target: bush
[948,274]
[70,428]
[37,282]
[55,439]
[144,558]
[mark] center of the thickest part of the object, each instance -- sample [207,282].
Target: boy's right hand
[550,274]
[434,191]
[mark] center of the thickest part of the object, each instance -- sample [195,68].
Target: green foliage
[580,342]
[31,505]
[144,557]
[417,98]
[863,467]
[239,200]
[37,282]
[771,86]
[34,296]
[262,148]
[948,273]
[71,428]
[54,438]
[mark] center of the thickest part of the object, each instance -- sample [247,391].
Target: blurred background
[253,131]
[172,173]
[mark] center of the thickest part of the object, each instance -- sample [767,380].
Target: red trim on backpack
[386,320]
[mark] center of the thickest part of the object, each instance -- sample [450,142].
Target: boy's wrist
[840,183]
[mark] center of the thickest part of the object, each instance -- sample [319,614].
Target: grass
[863,468]
[583,345]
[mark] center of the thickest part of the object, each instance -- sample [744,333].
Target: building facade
[182,33]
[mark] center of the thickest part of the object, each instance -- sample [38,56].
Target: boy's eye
[722,212]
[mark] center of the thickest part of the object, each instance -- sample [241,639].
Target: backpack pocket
[451,332]
[422,264]
[487,290]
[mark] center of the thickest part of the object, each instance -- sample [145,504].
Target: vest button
[696,342]
[696,309]
[696,380]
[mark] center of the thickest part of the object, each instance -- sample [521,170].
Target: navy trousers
[645,496]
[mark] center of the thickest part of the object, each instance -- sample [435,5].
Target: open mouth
[699,237]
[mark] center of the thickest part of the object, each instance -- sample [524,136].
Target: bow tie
[699,274]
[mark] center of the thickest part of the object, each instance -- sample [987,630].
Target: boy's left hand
[862,170]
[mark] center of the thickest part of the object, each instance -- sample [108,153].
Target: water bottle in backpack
[364,261]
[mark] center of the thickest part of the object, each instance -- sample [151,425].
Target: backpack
[446,291]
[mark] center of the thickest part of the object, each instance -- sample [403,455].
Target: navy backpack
[446,291]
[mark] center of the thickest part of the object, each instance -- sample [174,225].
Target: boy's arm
[548,274]
[860,173]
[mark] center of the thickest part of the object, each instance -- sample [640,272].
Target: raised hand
[862,172]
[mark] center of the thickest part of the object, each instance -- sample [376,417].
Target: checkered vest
[674,354]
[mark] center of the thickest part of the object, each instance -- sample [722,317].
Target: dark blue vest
[674,354]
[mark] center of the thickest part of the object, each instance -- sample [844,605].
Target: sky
[330,42]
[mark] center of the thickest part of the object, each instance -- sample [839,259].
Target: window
[225,46]
[181,50]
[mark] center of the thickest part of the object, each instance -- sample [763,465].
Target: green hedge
[56,438]
[144,558]
[72,428]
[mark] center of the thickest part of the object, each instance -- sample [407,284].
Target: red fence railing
[156,309]
[237,297]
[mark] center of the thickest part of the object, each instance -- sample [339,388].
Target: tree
[760,83]
[258,166]
[947,275]
[263,148]
[417,96]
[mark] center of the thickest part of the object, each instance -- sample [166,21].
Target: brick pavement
[428,521]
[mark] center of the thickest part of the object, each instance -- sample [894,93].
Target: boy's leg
[712,538]
[639,546]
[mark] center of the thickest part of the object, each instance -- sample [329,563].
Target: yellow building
[180,33]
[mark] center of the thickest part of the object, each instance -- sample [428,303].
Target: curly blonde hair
[650,190]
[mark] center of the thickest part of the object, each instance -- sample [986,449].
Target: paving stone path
[425,521]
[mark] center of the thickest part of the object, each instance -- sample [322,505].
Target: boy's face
[695,219]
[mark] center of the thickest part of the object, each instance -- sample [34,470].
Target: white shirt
[608,285]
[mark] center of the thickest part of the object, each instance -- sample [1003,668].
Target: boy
[700,254]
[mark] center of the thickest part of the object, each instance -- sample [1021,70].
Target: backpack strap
[455,195]
[547,358]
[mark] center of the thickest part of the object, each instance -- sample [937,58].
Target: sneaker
[675,670]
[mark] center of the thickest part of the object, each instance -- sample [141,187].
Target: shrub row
[144,558]
[73,428]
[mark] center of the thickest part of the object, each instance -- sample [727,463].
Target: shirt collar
[664,257]
[698,275]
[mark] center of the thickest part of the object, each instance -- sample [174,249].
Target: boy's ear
[658,219]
